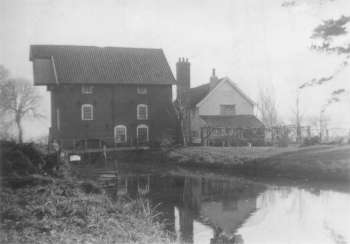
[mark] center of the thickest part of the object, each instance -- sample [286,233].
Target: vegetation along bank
[41,202]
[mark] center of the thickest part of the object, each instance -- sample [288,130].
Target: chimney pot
[183,77]
[214,80]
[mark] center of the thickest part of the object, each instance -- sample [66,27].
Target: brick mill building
[106,95]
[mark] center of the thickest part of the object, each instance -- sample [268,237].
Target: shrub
[311,141]
[89,187]
[26,159]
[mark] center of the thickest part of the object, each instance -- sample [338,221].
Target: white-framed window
[218,131]
[141,90]
[142,133]
[87,89]
[142,112]
[228,109]
[120,134]
[195,133]
[87,112]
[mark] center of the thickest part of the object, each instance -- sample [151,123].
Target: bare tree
[327,38]
[329,30]
[5,124]
[19,99]
[181,114]
[267,108]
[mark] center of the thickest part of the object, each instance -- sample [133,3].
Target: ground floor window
[142,133]
[217,131]
[120,134]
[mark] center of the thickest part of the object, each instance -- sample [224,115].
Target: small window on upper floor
[142,112]
[87,112]
[228,109]
[85,89]
[141,90]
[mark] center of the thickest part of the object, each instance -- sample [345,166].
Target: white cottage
[218,112]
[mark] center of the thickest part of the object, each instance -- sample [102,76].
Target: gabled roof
[100,65]
[233,85]
[197,94]
[243,121]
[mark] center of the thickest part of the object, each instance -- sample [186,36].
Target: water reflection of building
[222,205]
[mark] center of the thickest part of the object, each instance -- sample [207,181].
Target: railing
[99,143]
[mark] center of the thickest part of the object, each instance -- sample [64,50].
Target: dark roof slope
[244,121]
[196,94]
[90,64]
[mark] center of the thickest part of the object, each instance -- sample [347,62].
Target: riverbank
[42,203]
[310,163]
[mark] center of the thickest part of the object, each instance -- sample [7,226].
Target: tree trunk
[20,130]
[183,133]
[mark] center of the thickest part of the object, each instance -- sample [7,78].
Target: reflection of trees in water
[336,237]
[299,216]
[297,197]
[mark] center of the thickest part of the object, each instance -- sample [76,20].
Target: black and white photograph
[176,122]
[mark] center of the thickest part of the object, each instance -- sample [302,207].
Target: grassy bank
[41,204]
[315,162]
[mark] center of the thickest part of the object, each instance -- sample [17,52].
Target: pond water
[206,207]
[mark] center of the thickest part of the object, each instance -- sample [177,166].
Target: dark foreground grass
[62,211]
[41,202]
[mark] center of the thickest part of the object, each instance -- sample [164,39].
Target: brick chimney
[214,80]
[183,77]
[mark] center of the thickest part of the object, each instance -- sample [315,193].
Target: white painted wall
[224,93]
[196,124]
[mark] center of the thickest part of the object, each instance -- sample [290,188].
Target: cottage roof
[243,121]
[197,94]
[99,65]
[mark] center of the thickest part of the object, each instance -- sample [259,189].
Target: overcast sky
[257,43]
